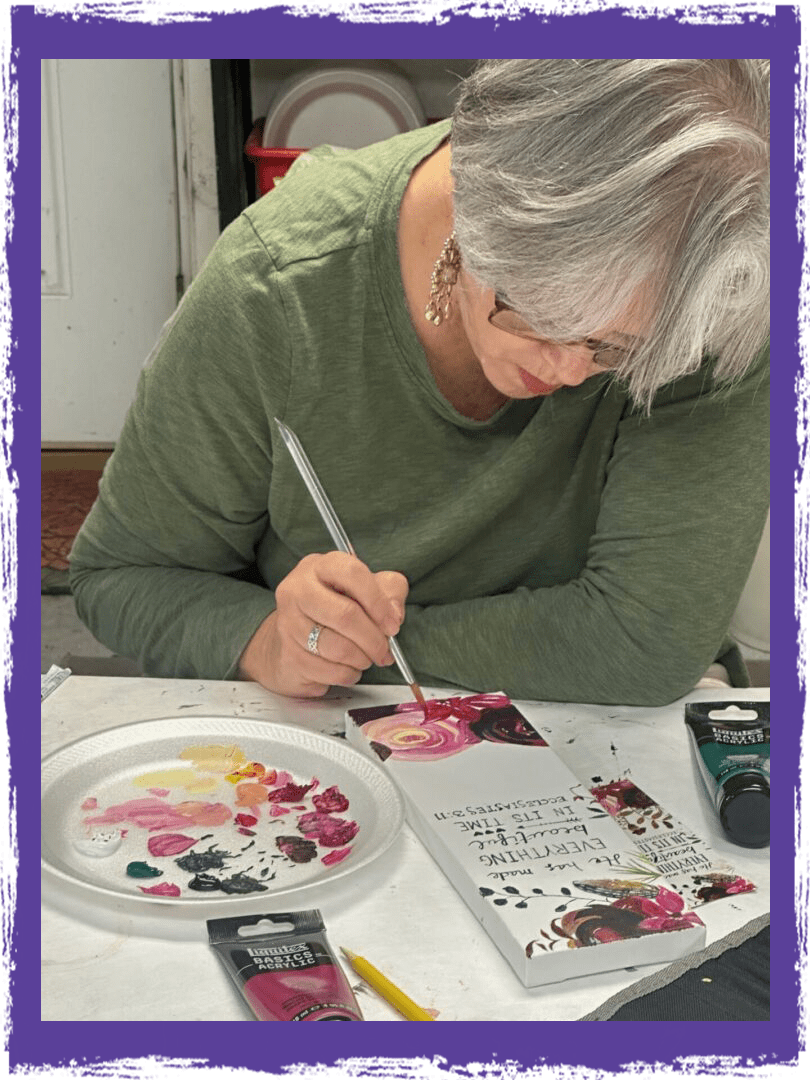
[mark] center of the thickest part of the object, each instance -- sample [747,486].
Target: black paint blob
[241,883]
[196,861]
[205,883]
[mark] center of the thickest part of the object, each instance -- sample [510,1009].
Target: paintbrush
[338,534]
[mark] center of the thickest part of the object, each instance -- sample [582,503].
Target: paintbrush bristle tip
[416,690]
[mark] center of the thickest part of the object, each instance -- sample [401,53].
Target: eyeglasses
[604,353]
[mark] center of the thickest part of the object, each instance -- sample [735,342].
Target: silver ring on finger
[312,640]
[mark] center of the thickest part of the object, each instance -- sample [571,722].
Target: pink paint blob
[90,804]
[145,813]
[161,890]
[290,792]
[154,814]
[161,792]
[331,801]
[169,844]
[329,831]
[280,778]
[245,819]
[277,811]
[335,856]
[199,813]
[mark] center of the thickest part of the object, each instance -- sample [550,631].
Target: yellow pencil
[385,988]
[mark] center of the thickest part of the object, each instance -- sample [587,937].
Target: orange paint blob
[199,813]
[251,794]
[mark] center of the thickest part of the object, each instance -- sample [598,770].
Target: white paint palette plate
[177,806]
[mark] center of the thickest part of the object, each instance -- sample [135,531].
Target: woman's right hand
[357,611]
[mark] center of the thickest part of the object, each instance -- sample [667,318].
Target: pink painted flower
[740,885]
[619,795]
[405,735]
[169,844]
[629,917]
[467,708]
[665,912]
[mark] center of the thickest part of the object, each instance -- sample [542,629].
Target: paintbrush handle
[330,519]
[336,530]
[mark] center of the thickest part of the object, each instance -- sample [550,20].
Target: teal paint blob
[143,870]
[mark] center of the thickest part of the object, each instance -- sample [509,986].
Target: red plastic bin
[271,161]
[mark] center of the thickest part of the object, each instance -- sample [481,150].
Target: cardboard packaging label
[544,867]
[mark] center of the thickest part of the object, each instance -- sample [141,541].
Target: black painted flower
[506,725]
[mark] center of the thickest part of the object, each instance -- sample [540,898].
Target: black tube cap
[745,811]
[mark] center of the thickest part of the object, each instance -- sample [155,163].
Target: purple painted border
[36,36]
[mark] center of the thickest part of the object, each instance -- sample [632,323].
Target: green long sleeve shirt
[569,548]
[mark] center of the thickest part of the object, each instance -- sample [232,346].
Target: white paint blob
[100,844]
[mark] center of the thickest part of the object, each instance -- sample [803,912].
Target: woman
[555,482]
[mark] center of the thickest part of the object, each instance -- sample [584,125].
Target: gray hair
[576,182]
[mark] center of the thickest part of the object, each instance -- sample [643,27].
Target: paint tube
[732,742]
[284,967]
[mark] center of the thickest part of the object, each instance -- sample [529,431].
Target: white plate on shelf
[348,107]
[135,780]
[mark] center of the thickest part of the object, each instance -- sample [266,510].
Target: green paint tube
[732,742]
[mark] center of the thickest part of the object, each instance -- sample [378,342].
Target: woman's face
[521,367]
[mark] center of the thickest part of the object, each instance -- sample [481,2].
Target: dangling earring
[443,278]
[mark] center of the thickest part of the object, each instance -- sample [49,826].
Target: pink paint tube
[284,967]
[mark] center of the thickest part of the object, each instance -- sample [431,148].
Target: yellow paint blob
[217,759]
[253,770]
[189,779]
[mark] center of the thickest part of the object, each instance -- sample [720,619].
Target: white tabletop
[103,963]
